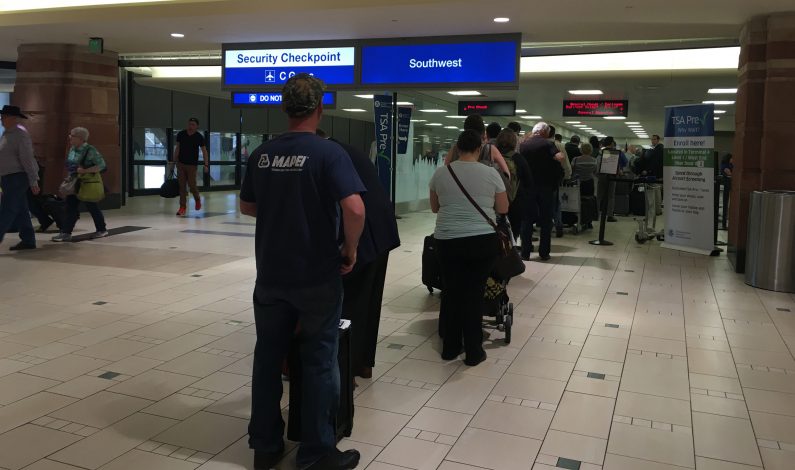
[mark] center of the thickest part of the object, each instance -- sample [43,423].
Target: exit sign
[96,45]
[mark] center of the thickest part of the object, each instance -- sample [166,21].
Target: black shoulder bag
[508,264]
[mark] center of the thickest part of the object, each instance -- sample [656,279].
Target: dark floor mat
[111,232]
[215,232]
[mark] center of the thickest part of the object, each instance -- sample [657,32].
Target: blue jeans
[72,214]
[277,312]
[14,207]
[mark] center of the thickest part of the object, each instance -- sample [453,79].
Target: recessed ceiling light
[456,117]
[615,118]
[432,111]
[573,122]
[716,118]
[521,111]
[405,103]
[719,103]
[451,127]
[581,126]
[464,93]
[354,110]
[434,124]
[501,20]
[177,35]
[722,91]
[632,122]
[367,97]
[585,92]
[419,120]
[530,117]
[720,111]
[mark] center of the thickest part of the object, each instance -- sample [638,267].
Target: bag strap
[82,161]
[471,200]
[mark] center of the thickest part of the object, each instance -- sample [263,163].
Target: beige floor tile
[555,351]
[237,403]
[666,447]
[394,398]
[707,343]
[31,408]
[101,410]
[82,387]
[179,406]
[771,343]
[47,464]
[206,432]
[27,444]
[222,382]
[414,453]
[11,349]
[719,406]
[513,419]
[620,462]
[588,415]
[114,349]
[773,427]
[377,427]
[575,446]
[383,466]
[153,385]
[656,376]
[462,393]
[779,360]
[139,459]
[771,381]
[530,388]
[368,452]
[602,347]
[586,364]
[659,326]
[658,345]
[715,383]
[53,350]
[540,367]
[573,321]
[703,463]
[485,369]
[702,361]
[108,444]
[423,371]
[177,347]
[777,459]
[770,402]
[133,365]
[41,336]
[711,433]
[493,450]
[561,333]
[66,367]
[450,423]
[17,386]
[447,465]
[165,330]
[245,366]
[197,364]
[101,334]
[602,388]
[237,342]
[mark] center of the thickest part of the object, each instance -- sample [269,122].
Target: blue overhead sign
[248,99]
[492,62]
[273,67]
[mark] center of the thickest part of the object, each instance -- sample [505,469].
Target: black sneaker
[337,460]
[267,460]
[22,246]
[544,257]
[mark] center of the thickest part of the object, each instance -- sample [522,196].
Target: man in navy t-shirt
[297,186]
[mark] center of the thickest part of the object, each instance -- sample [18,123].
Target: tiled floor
[134,352]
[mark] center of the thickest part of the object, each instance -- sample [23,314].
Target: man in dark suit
[573,147]
[364,286]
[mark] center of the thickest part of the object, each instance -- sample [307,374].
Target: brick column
[62,86]
[765,120]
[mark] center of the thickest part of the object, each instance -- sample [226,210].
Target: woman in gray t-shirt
[467,246]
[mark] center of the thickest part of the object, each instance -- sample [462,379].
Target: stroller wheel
[508,325]
[640,239]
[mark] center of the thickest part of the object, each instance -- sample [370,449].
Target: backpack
[512,187]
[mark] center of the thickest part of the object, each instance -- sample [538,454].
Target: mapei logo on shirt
[282,163]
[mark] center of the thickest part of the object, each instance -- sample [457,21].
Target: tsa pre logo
[264,161]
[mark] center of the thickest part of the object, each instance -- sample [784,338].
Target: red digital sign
[487,108]
[595,108]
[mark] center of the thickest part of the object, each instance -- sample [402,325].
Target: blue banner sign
[265,99]
[382,106]
[273,67]
[404,126]
[493,62]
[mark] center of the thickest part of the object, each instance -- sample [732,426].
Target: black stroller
[498,305]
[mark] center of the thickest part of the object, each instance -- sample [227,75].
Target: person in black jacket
[364,286]
[573,147]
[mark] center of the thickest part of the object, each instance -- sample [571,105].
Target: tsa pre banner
[382,105]
[689,175]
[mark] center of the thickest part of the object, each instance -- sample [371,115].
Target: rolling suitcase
[431,271]
[637,203]
[589,209]
[344,421]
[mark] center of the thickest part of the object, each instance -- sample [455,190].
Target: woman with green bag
[85,163]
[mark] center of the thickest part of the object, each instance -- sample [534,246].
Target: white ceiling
[208,24]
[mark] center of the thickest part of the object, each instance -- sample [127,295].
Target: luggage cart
[646,232]
[571,205]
